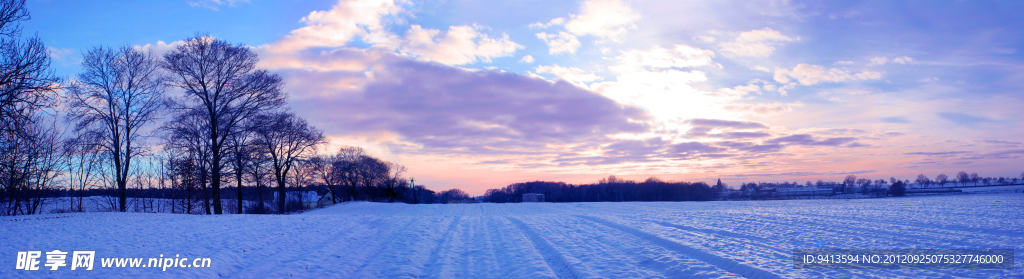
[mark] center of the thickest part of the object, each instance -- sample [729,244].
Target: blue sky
[478,94]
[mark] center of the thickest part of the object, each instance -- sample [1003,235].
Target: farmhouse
[533,197]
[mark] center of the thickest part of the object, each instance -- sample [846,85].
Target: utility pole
[415,192]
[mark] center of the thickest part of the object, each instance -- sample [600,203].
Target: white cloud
[764,108]
[607,19]
[665,94]
[553,22]
[659,57]
[844,63]
[460,45]
[574,75]
[737,91]
[367,20]
[214,4]
[903,60]
[160,47]
[808,74]
[706,39]
[878,61]
[754,43]
[526,59]
[559,43]
[345,21]
[60,54]
[784,88]
[762,68]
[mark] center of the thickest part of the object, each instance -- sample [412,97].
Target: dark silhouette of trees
[897,189]
[610,189]
[221,82]
[922,180]
[941,180]
[118,92]
[27,83]
[963,178]
[285,138]
[31,152]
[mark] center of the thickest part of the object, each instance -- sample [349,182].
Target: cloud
[658,57]
[963,119]
[460,45]
[438,107]
[526,59]
[878,61]
[761,68]
[763,108]
[808,74]
[896,119]
[719,123]
[574,75]
[608,19]
[754,43]
[344,22]
[903,60]
[214,4]
[554,22]
[808,140]
[559,43]
[844,63]
[60,54]
[898,60]
[160,48]
[706,39]
[368,21]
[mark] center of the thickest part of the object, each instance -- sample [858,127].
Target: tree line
[225,127]
[607,189]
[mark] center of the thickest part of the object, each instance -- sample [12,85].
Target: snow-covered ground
[544,240]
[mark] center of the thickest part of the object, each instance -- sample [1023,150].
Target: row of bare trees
[226,125]
[30,157]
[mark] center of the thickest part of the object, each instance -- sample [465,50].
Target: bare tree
[118,93]
[922,180]
[84,160]
[184,135]
[27,83]
[347,168]
[394,180]
[327,168]
[941,180]
[240,152]
[220,81]
[975,178]
[286,138]
[963,178]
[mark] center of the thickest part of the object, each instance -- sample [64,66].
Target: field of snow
[545,240]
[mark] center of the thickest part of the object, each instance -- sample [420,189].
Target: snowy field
[619,240]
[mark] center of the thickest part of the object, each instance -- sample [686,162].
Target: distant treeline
[607,189]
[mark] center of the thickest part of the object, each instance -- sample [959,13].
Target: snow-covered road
[545,240]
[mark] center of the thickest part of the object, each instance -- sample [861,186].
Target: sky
[479,94]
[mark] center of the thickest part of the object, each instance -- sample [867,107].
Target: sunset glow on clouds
[479,94]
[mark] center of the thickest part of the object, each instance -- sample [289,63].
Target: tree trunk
[280,194]
[215,182]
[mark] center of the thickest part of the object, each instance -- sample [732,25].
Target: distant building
[533,197]
[325,200]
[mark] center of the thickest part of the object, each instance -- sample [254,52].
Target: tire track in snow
[390,239]
[721,262]
[432,268]
[267,264]
[511,247]
[564,266]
